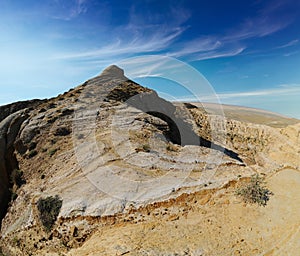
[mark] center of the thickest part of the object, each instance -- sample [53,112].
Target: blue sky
[249,51]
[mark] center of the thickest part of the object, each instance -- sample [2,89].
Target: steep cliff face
[11,118]
[119,155]
[9,129]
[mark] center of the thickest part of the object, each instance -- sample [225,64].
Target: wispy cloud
[283,90]
[290,54]
[218,54]
[256,27]
[122,47]
[201,44]
[289,44]
[143,34]
[270,19]
[280,90]
[233,42]
[78,8]
[208,47]
[69,11]
[156,34]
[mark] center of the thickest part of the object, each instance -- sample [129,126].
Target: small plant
[254,191]
[16,178]
[171,147]
[52,105]
[16,241]
[32,145]
[51,120]
[66,112]
[49,209]
[13,196]
[62,131]
[42,110]
[1,252]
[32,153]
[80,136]
[146,147]
[51,152]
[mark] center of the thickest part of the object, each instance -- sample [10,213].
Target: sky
[249,51]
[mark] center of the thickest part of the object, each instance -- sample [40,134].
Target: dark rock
[9,109]
[62,131]
[66,112]
[9,129]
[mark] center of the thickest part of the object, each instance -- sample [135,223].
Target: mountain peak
[113,71]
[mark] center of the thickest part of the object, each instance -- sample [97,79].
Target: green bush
[16,177]
[32,153]
[16,241]
[146,147]
[1,252]
[52,152]
[62,131]
[48,210]
[171,147]
[254,191]
[32,145]
[13,196]
[16,181]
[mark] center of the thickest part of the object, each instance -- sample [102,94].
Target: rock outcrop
[9,109]
[130,166]
[9,129]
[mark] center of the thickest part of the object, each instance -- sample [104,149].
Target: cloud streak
[72,10]
[282,90]
[147,44]
[233,43]
[218,53]
[289,44]
[148,35]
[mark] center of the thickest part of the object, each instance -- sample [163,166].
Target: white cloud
[151,43]
[289,44]
[202,44]
[150,66]
[283,90]
[146,34]
[290,54]
[257,27]
[78,8]
[220,54]
[208,48]
[280,90]
[69,10]
[264,24]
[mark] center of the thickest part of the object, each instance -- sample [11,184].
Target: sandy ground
[223,226]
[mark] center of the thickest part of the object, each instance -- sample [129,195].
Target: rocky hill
[110,168]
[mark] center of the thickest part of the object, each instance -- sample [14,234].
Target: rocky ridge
[124,160]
